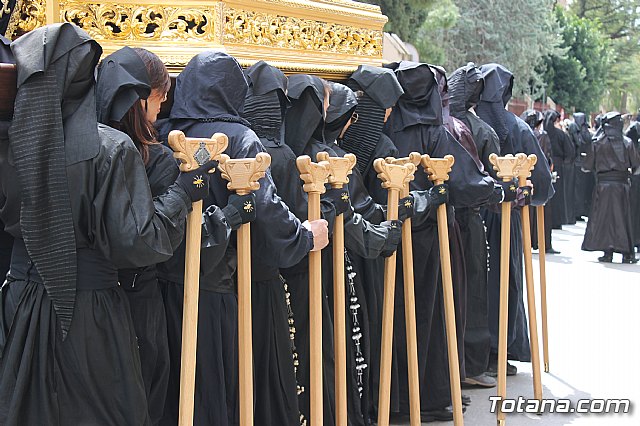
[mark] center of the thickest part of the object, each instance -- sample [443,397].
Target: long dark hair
[135,122]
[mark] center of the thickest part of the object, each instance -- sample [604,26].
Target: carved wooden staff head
[526,165]
[507,166]
[340,168]
[314,175]
[394,176]
[195,152]
[413,158]
[438,168]
[243,173]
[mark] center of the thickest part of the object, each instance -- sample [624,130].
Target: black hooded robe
[633,133]
[416,125]
[610,157]
[209,98]
[45,376]
[563,159]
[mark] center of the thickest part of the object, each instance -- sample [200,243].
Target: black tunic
[633,133]
[209,98]
[585,180]
[563,158]
[416,125]
[611,157]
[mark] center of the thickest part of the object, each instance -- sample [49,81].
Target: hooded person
[6,240]
[585,181]
[515,136]
[209,98]
[415,124]
[633,133]
[611,156]
[75,196]
[535,119]
[563,157]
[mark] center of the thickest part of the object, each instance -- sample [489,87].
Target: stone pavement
[594,339]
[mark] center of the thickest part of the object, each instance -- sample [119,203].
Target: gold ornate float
[325,37]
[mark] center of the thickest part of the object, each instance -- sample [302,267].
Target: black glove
[393,237]
[339,197]
[240,209]
[439,194]
[510,191]
[406,208]
[196,182]
[524,195]
[497,196]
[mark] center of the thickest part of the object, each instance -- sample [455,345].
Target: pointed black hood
[266,102]
[304,119]
[498,85]
[342,104]
[580,119]
[420,103]
[380,90]
[530,117]
[55,65]
[465,87]
[550,118]
[380,84]
[611,131]
[212,87]
[122,80]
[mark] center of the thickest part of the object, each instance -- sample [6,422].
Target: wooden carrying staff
[410,300]
[340,169]
[524,171]
[507,168]
[394,177]
[438,170]
[243,175]
[314,176]
[543,285]
[192,152]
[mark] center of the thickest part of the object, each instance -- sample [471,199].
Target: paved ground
[594,338]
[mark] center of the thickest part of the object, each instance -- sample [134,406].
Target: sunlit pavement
[594,338]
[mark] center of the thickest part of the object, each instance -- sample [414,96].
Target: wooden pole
[410,301]
[340,169]
[506,168]
[524,171]
[314,175]
[543,285]
[438,170]
[192,152]
[243,175]
[393,177]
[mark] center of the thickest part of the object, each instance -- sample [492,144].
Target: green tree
[577,79]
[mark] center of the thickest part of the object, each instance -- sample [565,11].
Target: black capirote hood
[122,80]
[305,116]
[380,84]
[498,83]
[465,87]
[264,78]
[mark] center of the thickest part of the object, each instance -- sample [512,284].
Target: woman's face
[153,104]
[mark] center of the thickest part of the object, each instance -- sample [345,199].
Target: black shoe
[492,371]
[607,258]
[466,400]
[551,251]
[629,258]
[482,380]
[442,415]
[579,219]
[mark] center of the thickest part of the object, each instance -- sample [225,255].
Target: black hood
[611,131]
[580,119]
[122,80]
[498,84]
[304,119]
[56,66]
[380,84]
[465,87]
[342,104]
[532,118]
[550,117]
[266,102]
[381,90]
[211,87]
[420,103]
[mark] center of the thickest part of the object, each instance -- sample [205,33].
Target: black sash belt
[613,176]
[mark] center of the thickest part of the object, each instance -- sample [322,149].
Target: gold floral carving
[27,15]
[106,21]
[264,29]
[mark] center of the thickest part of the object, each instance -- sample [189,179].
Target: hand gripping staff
[394,177]
[438,170]
[314,176]
[340,169]
[543,285]
[524,171]
[507,168]
[410,299]
[192,152]
[243,175]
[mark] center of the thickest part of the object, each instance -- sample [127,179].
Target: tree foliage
[516,33]
[577,78]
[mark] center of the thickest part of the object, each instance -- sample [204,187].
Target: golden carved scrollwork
[264,29]
[27,15]
[105,21]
